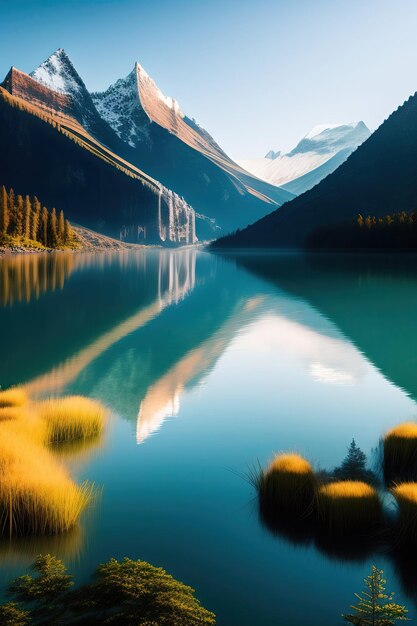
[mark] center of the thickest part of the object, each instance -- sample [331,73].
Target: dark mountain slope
[46,150]
[380,177]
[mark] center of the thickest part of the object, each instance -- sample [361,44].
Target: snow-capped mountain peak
[321,128]
[330,138]
[121,108]
[272,154]
[131,103]
[59,74]
[321,150]
[146,82]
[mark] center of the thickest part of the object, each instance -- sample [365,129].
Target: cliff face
[20,85]
[55,144]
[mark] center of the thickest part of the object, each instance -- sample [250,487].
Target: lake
[209,365]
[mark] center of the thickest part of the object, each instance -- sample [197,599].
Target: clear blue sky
[258,74]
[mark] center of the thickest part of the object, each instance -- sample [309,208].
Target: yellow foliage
[407,430]
[11,412]
[15,396]
[406,494]
[72,417]
[348,489]
[37,495]
[348,506]
[400,453]
[290,463]
[288,485]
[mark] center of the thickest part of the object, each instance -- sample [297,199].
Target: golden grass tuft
[287,486]
[37,495]
[349,506]
[405,495]
[400,453]
[72,418]
[15,396]
[290,463]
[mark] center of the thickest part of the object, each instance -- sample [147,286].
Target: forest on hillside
[395,231]
[24,221]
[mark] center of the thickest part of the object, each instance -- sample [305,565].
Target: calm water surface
[208,365]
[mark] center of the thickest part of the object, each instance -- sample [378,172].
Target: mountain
[318,154]
[127,163]
[378,178]
[272,155]
[55,144]
[173,148]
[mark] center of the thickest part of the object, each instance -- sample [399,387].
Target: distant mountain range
[127,162]
[377,179]
[316,156]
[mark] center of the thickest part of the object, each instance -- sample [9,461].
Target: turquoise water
[210,364]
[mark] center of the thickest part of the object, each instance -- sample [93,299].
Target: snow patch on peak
[171,103]
[319,146]
[319,129]
[58,73]
[121,108]
[272,154]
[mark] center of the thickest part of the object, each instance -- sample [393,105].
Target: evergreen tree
[24,217]
[354,464]
[12,615]
[12,199]
[44,227]
[52,229]
[36,216]
[12,211]
[69,233]
[61,227]
[27,218]
[19,212]
[4,211]
[374,606]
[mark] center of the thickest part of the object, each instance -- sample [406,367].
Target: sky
[257,74]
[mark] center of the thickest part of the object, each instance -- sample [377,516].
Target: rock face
[59,147]
[318,154]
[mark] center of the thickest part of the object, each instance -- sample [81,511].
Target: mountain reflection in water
[252,354]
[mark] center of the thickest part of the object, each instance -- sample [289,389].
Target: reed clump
[400,453]
[37,495]
[72,418]
[405,495]
[13,397]
[348,507]
[287,486]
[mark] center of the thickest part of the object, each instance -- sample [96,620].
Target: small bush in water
[347,506]
[288,485]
